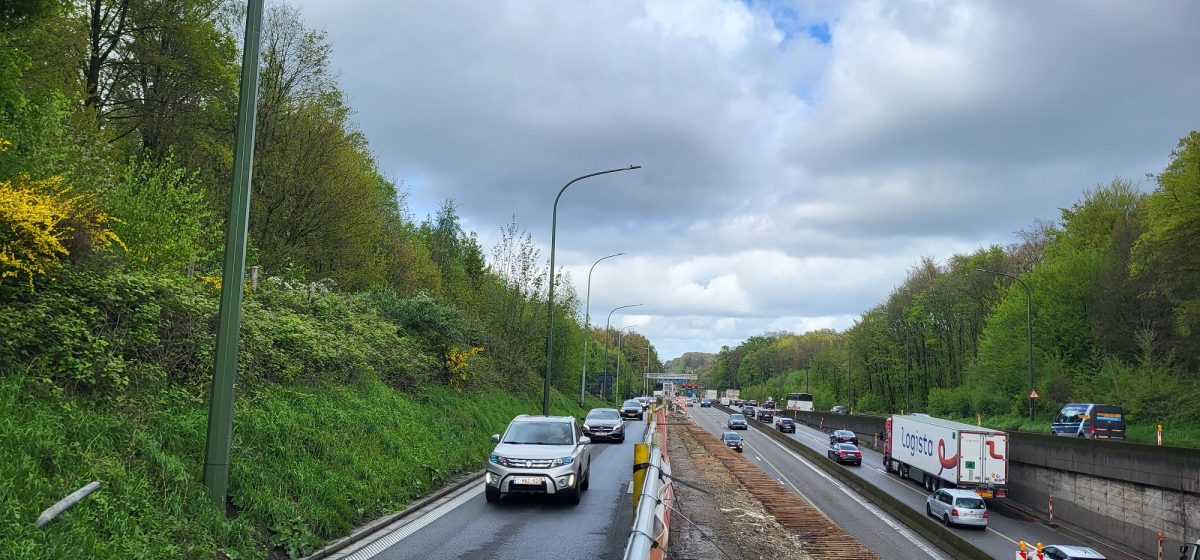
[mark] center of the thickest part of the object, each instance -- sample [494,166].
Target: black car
[748,411]
[705,403]
[785,425]
[732,440]
[843,436]
[604,423]
[845,453]
[766,416]
[738,422]
[632,409]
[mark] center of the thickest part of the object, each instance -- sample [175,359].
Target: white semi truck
[944,453]
[710,394]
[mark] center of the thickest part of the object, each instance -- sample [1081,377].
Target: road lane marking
[386,542]
[870,507]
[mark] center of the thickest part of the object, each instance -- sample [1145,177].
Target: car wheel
[572,497]
[491,493]
[928,510]
[946,519]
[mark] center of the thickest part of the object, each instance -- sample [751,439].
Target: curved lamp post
[620,339]
[586,323]
[608,322]
[550,298]
[1028,331]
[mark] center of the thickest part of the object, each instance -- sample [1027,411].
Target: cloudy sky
[798,157]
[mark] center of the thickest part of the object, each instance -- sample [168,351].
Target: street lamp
[586,323]
[550,298]
[620,339]
[608,322]
[1028,331]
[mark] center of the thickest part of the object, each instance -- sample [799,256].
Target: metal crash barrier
[653,497]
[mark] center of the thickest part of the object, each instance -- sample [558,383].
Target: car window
[945,498]
[603,415]
[970,503]
[540,433]
[633,404]
[1072,413]
[736,417]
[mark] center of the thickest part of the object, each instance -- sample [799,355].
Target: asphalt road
[536,527]
[1005,528]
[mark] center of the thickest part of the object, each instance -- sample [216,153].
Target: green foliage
[163,218]
[310,461]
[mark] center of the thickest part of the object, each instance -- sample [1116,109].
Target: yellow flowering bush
[457,361]
[41,221]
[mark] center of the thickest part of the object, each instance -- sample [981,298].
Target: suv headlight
[498,460]
[564,461]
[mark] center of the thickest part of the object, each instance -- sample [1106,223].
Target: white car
[1065,552]
[539,455]
[953,506]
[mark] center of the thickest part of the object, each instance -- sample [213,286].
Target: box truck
[950,454]
[710,394]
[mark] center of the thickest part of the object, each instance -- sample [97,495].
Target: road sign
[1033,394]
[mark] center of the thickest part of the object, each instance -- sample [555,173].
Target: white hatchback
[957,507]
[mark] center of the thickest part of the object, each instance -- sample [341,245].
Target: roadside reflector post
[1021,555]
[1040,554]
[1161,536]
[641,460]
[1050,509]
[822,424]
[978,419]
[1160,434]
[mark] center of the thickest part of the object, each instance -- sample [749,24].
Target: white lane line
[406,531]
[904,532]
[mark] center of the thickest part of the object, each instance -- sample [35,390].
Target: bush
[950,403]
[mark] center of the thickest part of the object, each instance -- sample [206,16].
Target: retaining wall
[1124,491]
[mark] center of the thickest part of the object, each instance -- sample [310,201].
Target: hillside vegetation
[378,350]
[1115,286]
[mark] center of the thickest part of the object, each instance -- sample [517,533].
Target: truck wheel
[491,493]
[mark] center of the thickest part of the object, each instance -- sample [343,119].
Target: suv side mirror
[585,439]
[496,438]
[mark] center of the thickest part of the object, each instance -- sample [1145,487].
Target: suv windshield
[631,404]
[1072,413]
[540,433]
[736,417]
[969,503]
[730,436]
[603,415]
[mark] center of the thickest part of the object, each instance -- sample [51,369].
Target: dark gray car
[604,423]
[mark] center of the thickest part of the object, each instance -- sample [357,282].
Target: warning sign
[1033,394]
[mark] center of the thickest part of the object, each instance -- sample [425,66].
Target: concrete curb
[951,543]
[370,529]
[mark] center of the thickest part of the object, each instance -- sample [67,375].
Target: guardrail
[957,546]
[648,536]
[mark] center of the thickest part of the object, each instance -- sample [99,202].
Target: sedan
[955,506]
[843,436]
[765,416]
[839,409]
[632,409]
[845,453]
[732,440]
[604,423]
[705,403]
[785,425]
[738,422]
[1065,552]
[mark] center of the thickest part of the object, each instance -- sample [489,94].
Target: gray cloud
[788,183]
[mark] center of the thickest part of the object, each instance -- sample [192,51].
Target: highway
[526,527]
[999,540]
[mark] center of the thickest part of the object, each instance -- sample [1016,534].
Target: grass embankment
[309,463]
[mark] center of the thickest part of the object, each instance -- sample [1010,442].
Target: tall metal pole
[550,297]
[220,411]
[620,340]
[608,322]
[587,318]
[1028,334]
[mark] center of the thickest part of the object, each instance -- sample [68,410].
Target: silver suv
[539,455]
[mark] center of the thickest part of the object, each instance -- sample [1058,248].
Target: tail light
[954,512]
[842,453]
[985,514]
[858,454]
[1093,428]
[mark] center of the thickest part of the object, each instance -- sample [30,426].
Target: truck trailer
[945,454]
[710,394]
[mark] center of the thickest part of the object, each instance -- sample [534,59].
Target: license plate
[531,480]
[984,494]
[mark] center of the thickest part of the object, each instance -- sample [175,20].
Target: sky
[797,157]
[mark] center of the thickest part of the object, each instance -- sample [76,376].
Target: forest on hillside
[117,125]
[1114,296]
